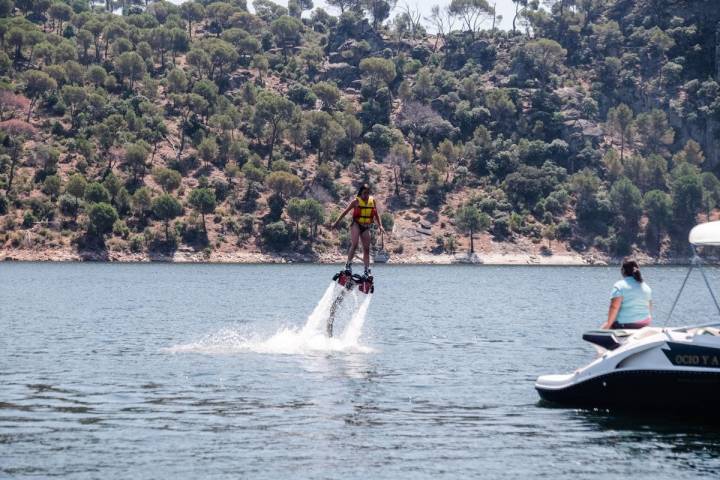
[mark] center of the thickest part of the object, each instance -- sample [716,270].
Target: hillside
[202,131]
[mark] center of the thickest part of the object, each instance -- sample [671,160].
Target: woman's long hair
[362,188]
[630,268]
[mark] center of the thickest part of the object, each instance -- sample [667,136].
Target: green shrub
[602,243]
[387,221]
[81,165]
[68,205]
[326,177]
[247,224]
[166,207]
[191,232]
[121,229]
[451,244]
[76,185]
[232,226]
[95,192]
[276,235]
[28,219]
[281,166]
[203,200]
[101,218]
[41,208]
[439,244]
[51,186]
[302,95]
[563,231]
[222,189]
[136,243]
[304,232]
[276,204]
[501,227]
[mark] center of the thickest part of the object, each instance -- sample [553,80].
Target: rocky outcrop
[343,73]
[349,33]
[577,131]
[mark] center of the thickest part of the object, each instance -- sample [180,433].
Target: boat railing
[695,262]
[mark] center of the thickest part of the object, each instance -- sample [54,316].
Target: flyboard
[348,280]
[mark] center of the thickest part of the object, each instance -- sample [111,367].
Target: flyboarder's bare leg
[354,238]
[366,249]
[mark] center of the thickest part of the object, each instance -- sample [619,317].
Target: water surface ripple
[104,373]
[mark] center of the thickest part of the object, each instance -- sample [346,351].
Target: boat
[382,255]
[660,368]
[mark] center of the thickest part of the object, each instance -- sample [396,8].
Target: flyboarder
[365,214]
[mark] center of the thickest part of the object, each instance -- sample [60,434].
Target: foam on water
[309,339]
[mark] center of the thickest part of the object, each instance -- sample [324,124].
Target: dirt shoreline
[245,257]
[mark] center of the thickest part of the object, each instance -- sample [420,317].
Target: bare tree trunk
[494,17]
[11,176]
[272,144]
[30,109]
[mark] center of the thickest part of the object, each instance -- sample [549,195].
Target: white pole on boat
[682,287]
[707,282]
[696,260]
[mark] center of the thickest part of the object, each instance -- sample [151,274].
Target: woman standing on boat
[365,214]
[630,300]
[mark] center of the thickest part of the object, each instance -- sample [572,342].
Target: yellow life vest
[363,213]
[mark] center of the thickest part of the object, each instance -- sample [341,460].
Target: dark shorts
[363,228]
[631,326]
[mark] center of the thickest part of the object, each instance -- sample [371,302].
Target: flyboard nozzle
[348,280]
[366,285]
[344,278]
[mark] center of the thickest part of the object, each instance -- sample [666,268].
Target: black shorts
[363,228]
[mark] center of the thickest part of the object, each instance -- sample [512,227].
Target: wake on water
[311,338]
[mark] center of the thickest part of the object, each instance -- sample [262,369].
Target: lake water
[204,371]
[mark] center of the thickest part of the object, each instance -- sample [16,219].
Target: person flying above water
[365,214]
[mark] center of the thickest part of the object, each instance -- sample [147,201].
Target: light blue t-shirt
[636,300]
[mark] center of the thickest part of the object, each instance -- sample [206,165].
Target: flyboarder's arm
[342,215]
[612,312]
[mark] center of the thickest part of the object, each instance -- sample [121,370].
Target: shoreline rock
[245,257]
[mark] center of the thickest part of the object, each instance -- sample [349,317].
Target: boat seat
[607,339]
[644,332]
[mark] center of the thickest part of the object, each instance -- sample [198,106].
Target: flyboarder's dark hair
[630,268]
[362,188]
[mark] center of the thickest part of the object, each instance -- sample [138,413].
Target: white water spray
[320,314]
[309,339]
[354,329]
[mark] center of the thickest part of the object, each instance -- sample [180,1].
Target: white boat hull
[669,369]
